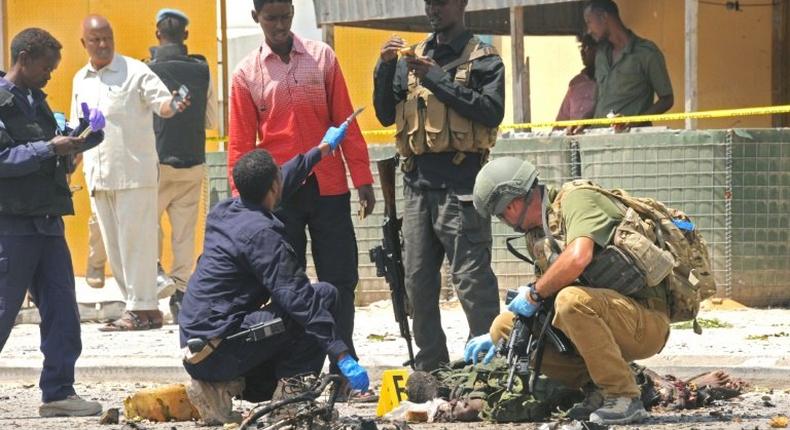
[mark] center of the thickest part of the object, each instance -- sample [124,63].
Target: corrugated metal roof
[342,11]
[483,16]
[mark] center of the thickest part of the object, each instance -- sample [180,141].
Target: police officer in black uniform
[34,195]
[180,143]
[446,96]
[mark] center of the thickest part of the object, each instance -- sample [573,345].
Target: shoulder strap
[545,220]
[419,49]
[512,249]
[474,50]
[631,202]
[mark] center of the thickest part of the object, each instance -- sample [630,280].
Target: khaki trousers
[608,330]
[179,196]
[97,256]
[127,219]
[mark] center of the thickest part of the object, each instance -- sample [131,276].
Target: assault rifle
[388,257]
[524,349]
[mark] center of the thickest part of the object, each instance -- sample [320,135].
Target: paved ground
[112,366]
[18,410]
[155,354]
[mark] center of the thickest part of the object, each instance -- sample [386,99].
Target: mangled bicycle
[306,410]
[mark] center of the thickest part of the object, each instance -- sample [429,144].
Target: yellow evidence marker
[393,390]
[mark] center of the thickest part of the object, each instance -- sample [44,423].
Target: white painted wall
[244,35]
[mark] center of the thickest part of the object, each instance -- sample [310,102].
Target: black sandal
[129,321]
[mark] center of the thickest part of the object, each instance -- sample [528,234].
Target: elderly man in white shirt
[122,174]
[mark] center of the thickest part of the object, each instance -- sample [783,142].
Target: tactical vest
[181,140]
[45,191]
[424,124]
[619,272]
[673,263]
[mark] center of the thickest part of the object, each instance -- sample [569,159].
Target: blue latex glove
[61,120]
[521,305]
[357,375]
[477,345]
[335,135]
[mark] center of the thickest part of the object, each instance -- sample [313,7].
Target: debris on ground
[386,337]
[778,422]
[767,336]
[162,404]
[110,416]
[133,426]
[703,322]
[720,304]
[669,392]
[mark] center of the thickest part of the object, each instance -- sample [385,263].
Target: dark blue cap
[171,13]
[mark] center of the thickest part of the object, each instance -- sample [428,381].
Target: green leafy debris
[703,322]
[767,336]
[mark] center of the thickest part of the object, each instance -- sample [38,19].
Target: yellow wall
[553,62]
[734,54]
[133,23]
[358,50]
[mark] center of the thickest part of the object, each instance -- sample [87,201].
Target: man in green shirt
[608,329]
[630,71]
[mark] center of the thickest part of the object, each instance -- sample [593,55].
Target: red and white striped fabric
[286,108]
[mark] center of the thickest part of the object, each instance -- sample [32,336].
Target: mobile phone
[183,93]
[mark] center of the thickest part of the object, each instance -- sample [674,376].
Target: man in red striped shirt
[284,95]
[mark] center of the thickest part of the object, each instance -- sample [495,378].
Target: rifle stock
[388,257]
[386,169]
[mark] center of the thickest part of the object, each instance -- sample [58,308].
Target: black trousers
[333,245]
[263,363]
[439,224]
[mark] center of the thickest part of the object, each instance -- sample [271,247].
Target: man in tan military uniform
[608,328]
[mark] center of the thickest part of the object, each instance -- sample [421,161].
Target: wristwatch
[533,294]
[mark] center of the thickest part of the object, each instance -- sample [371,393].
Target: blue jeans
[42,264]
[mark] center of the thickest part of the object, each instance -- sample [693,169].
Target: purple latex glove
[94,117]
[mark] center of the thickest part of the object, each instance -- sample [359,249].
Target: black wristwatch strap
[533,294]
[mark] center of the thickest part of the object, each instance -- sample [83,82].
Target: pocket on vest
[401,133]
[437,136]
[461,131]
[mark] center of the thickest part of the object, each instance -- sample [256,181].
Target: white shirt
[128,93]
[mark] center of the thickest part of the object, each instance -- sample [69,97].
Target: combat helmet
[500,181]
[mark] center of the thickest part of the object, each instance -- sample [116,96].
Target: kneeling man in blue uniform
[248,274]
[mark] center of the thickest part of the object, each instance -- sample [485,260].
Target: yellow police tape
[723,113]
